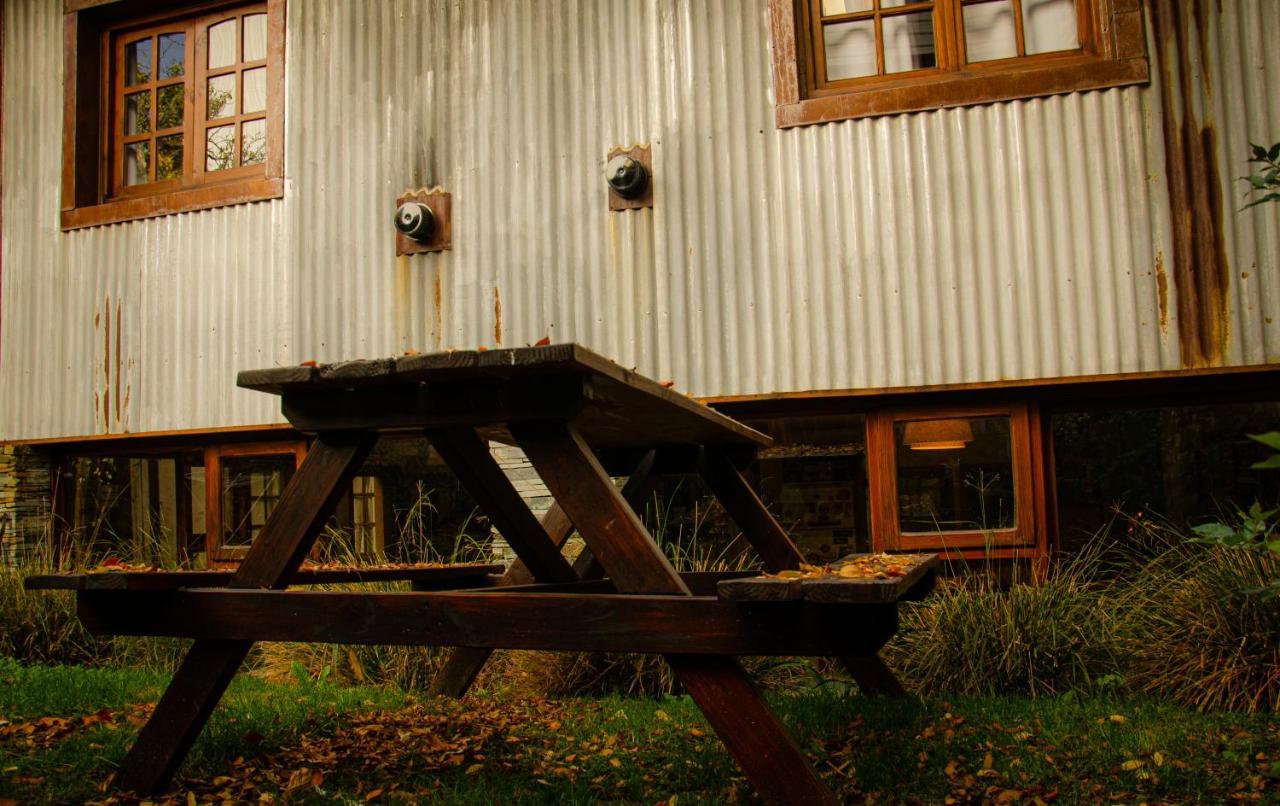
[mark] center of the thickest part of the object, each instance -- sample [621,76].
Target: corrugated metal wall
[1014,240]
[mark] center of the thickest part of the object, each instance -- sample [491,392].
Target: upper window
[187,110]
[837,59]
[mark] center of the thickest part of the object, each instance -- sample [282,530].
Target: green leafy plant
[1256,529]
[1265,182]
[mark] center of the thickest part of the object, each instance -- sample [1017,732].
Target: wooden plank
[749,512]
[759,589]
[208,667]
[464,665]
[608,525]
[172,580]
[873,676]
[753,734]
[601,622]
[469,458]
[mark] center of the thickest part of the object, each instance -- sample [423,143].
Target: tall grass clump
[1199,629]
[976,635]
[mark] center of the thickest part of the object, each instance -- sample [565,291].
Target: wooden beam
[209,665]
[749,512]
[602,622]
[469,458]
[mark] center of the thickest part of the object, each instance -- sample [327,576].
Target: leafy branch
[1265,183]
[1257,529]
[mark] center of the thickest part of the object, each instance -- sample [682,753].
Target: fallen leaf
[1118,719]
[373,793]
[1132,764]
[542,342]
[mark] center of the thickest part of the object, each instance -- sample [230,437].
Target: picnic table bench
[580,419]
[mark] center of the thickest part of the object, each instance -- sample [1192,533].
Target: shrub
[973,636]
[1197,632]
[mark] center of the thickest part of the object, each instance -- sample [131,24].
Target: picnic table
[581,419]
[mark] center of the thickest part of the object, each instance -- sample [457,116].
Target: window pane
[1050,25]
[222,43]
[137,113]
[169,111]
[830,8]
[255,90]
[137,159]
[255,37]
[908,42]
[989,31]
[220,148]
[251,487]
[954,475]
[895,3]
[137,62]
[168,157]
[222,97]
[851,49]
[173,54]
[253,145]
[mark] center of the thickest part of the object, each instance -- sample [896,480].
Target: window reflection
[251,488]
[954,475]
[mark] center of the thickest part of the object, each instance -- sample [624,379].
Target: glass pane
[137,62]
[221,97]
[169,111]
[137,113]
[908,42]
[954,475]
[220,148]
[168,157]
[251,488]
[222,43]
[173,55]
[895,3]
[253,145]
[989,31]
[851,49]
[255,90]
[137,159]
[1050,25]
[255,37]
[830,8]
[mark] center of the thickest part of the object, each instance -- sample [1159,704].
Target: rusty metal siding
[1014,240]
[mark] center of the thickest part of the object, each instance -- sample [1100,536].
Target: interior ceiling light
[937,435]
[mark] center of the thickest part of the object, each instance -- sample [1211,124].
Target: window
[368,523]
[168,113]
[243,485]
[966,482]
[838,59]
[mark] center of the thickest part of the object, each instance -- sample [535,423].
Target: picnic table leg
[779,553]
[735,708]
[465,663]
[208,667]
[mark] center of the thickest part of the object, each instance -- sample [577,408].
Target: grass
[318,743]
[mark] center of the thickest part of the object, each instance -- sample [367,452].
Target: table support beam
[779,553]
[203,676]
[464,664]
[753,735]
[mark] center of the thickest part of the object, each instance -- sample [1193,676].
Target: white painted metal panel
[1014,240]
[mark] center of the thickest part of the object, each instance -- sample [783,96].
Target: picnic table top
[610,405]
[111,579]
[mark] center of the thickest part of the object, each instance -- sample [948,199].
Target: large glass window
[954,474]
[251,488]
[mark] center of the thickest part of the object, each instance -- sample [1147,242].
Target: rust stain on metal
[1200,271]
[1162,289]
[439,300]
[106,367]
[117,365]
[497,316]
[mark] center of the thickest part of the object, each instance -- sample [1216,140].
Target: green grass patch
[317,743]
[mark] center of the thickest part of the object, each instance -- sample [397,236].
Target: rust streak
[439,299]
[497,316]
[1162,288]
[1201,274]
[117,364]
[106,366]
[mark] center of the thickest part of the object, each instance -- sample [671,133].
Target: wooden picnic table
[580,419]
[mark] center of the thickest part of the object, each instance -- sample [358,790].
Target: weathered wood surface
[464,664]
[487,389]
[465,575]
[207,669]
[834,589]
[496,619]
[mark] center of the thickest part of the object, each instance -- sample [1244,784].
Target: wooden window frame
[213,456]
[1028,538]
[88,159]
[1113,53]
